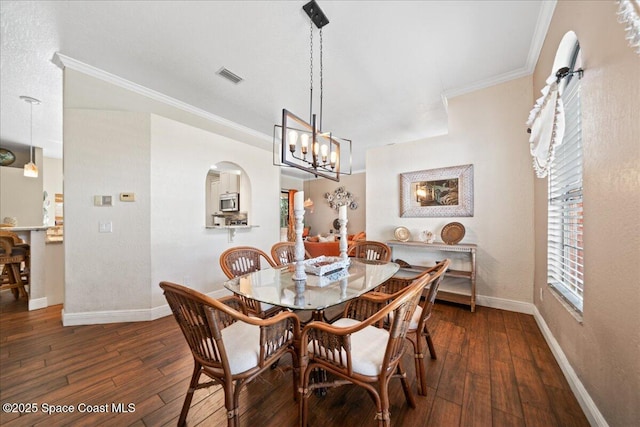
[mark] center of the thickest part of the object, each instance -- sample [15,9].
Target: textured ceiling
[388,65]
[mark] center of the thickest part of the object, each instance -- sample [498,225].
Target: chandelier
[304,145]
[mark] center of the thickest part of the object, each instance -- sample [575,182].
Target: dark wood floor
[493,368]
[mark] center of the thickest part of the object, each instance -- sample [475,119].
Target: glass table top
[276,286]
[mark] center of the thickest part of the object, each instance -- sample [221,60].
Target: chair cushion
[414,319]
[367,347]
[242,343]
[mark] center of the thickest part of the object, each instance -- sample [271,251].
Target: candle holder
[299,297]
[299,274]
[343,237]
[343,287]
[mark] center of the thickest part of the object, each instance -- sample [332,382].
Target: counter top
[34,228]
[226,227]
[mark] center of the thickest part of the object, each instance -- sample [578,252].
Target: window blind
[565,245]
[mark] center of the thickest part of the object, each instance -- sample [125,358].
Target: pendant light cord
[31,134]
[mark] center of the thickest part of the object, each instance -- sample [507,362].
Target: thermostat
[127,197]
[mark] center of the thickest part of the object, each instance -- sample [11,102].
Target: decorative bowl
[402,234]
[452,233]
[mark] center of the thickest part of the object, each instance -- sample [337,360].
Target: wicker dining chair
[370,250]
[241,260]
[418,327]
[228,346]
[284,253]
[356,351]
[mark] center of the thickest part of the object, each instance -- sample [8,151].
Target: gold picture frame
[443,192]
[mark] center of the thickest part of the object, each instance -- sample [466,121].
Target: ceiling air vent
[232,77]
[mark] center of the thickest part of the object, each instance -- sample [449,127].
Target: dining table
[276,286]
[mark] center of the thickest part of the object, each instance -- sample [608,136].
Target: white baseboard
[101,317]
[587,404]
[160,311]
[38,303]
[505,304]
[117,316]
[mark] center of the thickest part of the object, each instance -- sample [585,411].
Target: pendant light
[30,169]
[319,153]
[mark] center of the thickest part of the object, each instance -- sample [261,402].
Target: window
[565,248]
[284,209]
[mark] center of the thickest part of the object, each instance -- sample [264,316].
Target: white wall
[182,250]
[487,130]
[291,183]
[54,252]
[52,184]
[106,153]
[161,236]
[603,348]
[20,196]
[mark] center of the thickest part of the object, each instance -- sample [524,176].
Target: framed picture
[439,192]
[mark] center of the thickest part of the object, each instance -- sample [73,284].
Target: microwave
[230,202]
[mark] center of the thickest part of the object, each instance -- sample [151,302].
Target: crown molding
[540,33]
[542,26]
[483,84]
[64,61]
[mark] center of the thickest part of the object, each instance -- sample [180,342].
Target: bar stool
[13,253]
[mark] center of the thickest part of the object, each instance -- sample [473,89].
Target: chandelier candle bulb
[304,143]
[293,139]
[325,151]
[334,156]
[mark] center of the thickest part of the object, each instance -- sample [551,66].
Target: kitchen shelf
[232,229]
[457,286]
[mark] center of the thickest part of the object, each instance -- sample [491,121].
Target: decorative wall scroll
[440,192]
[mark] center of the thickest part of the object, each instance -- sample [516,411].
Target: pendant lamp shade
[31,170]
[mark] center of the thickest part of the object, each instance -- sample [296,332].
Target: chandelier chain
[321,85]
[311,69]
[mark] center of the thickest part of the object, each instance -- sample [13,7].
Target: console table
[457,286]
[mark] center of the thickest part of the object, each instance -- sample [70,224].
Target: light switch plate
[102,200]
[105,227]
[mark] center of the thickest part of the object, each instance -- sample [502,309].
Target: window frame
[565,203]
